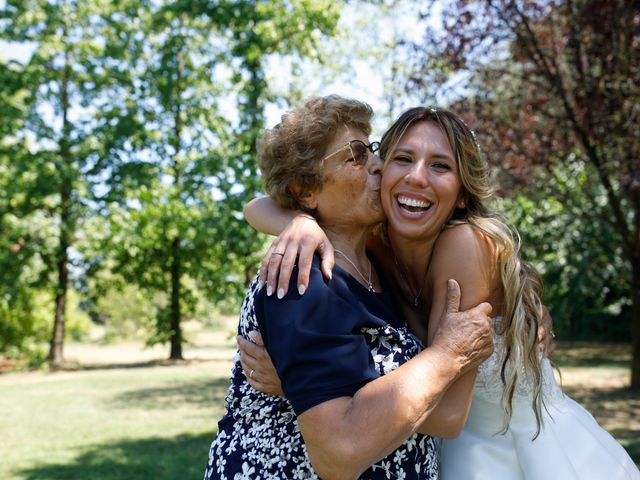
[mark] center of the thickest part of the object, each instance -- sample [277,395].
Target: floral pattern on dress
[259,437]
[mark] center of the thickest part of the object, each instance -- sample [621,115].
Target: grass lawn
[123,413]
[597,376]
[136,418]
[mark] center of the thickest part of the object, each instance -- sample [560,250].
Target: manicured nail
[280,293]
[269,291]
[330,275]
[301,289]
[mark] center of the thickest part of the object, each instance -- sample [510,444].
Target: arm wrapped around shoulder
[465,335]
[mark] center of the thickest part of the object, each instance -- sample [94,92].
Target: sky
[364,31]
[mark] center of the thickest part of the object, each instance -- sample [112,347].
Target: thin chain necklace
[367,280]
[416,296]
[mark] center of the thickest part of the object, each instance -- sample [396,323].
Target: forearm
[448,418]
[266,216]
[341,438]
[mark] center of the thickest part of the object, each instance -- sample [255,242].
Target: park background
[127,149]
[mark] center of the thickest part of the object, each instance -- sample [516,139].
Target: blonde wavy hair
[521,283]
[290,154]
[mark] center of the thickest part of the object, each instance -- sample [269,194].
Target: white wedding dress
[571,445]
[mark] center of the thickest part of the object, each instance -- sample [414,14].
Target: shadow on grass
[178,458]
[576,354]
[75,366]
[205,393]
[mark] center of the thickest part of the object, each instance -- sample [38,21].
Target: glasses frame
[373,147]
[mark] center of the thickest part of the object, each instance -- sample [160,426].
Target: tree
[189,169]
[257,31]
[58,82]
[554,82]
[23,240]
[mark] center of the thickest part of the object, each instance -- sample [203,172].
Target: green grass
[125,414]
[119,419]
[137,423]
[597,375]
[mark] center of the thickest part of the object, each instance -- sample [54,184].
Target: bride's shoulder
[464,237]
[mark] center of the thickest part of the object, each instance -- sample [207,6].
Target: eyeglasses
[359,151]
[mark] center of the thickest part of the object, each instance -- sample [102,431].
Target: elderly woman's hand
[257,365]
[467,335]
[302,237]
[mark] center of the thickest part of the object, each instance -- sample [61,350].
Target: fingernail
[280,293]
[301,289]
[269,291]
[330,275]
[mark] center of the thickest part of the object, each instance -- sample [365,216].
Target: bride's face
[421,184]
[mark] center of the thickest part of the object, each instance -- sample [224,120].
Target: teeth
[412,202]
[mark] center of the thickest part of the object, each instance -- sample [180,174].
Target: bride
[435,192]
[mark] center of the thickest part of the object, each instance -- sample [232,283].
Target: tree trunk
[57,337]
[176,260]
[176,333]
[66,222]
[254,121]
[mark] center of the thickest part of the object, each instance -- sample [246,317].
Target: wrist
[306,215]
[450,363]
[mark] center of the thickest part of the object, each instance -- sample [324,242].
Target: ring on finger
[251,373]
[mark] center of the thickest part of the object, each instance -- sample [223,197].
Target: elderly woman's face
[350,194]
[421,184]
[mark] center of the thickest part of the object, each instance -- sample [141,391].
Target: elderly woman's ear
[306,198]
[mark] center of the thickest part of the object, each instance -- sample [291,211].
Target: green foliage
[18,324]
[126,313]
[586,279]
[119,164]
[25,251]
[78,324]
[26,318]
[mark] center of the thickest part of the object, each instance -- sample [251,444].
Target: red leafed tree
[546,82]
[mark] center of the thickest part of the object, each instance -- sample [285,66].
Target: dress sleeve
[314,341]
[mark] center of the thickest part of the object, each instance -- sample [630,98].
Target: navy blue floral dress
[325,344]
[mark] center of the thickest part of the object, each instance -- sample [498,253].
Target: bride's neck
[413,256]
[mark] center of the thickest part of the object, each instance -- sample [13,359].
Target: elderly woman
[358,392]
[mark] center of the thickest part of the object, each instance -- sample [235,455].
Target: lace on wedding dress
[489,384]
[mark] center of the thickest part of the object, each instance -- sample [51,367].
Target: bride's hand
[257,365]
[546,337]
[302,237]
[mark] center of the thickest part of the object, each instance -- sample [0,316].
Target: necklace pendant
[366,279]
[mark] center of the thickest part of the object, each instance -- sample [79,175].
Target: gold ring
[251,373]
